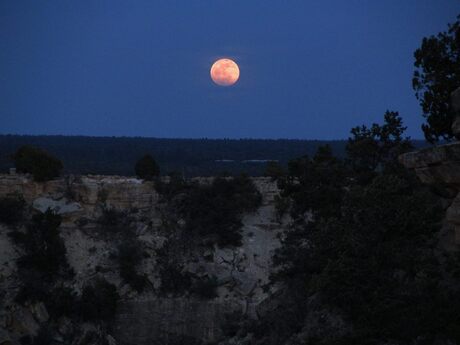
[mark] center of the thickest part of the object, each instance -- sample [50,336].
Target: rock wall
[241,272]
[439,167]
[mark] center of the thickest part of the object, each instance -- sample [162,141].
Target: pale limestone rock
[62,206]
[241,273]
[110,340]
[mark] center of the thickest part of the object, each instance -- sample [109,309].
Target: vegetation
[192,157]
[12,209]
[205,287]
[174,280]
[437,75]
[375,150]
[364,244]
[39,163]
[43,337]
[43,268]
[99,301]
[274,170]
[113,221]
[44,250]
[63,301]
[214,211]
[130,255]
[146,168]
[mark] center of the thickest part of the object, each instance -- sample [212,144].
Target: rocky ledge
[439,167]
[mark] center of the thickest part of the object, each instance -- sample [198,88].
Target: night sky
[309,69]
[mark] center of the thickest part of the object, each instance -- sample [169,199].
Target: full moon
[225,72]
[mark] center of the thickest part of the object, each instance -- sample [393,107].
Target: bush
[113,220]
[43,337]
[205,287]
[215,211]
[274,170]
[129,256]
[12,209]
[146,168]
[62,301]
[176,185]
[39,163]
[174,280]
[99,301]
[281,206]
[45,251]
[33,289]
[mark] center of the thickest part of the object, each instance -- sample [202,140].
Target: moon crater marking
[225,72]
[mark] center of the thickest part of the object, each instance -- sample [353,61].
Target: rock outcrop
[439,167]
[241,272]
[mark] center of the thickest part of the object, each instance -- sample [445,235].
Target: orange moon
[225,72]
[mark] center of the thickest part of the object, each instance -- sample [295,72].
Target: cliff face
[241,272]
[439,167]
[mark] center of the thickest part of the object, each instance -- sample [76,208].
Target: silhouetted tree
[436,76]
[376,148]
[363,246]
[39,163]
[147,168]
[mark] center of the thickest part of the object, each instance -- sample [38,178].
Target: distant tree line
[189,157]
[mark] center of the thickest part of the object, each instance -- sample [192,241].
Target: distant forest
[191,157]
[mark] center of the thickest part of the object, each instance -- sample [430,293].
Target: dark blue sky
[309,69]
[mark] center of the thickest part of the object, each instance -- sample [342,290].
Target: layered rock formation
[142,318]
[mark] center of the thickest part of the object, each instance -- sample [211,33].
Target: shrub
[43,337]
[62,301]
[129,256]
[33,289]
[174,280]
[45,251]
[99,301]
[146,168]
[205,287]
[12,209]
[215,211]
[274,170]
[281,206]
[175,186]
[39,163]
[113,220]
